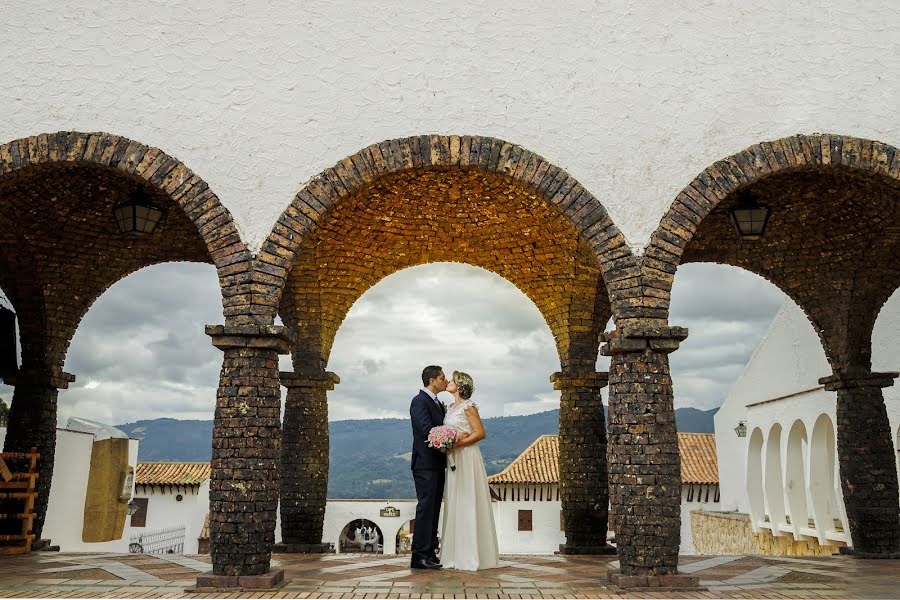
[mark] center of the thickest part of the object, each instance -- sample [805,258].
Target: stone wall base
[282,548]
[208,582]
[605,550]
[720,533]
[653,583]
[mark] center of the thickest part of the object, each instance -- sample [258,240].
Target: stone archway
[60,249]
[831,245]
[509,211]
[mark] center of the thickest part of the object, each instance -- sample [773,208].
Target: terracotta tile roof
[171,473]
[698,458]
[204,533]
[539,463]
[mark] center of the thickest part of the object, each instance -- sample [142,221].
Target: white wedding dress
[468,535]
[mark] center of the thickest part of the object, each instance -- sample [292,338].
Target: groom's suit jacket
[425,413]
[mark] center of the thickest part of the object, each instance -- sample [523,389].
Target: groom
[428,467]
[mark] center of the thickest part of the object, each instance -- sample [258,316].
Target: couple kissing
[443,435]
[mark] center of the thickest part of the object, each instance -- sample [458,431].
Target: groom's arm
[421,418]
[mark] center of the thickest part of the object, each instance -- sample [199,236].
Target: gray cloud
[141,352]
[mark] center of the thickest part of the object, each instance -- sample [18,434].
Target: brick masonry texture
[832,245]
[304,458]
[243,494]
[60,249]
[582,460]
[644,462]
[479,201]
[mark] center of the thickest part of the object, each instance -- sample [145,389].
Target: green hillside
[370,458]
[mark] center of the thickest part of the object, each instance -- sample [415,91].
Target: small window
[524,520]
[412,525]
[139,518]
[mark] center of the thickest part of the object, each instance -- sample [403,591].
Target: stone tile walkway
[79,575]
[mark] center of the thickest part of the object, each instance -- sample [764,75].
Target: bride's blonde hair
[465,383]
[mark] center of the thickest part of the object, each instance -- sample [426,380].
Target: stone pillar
[243,491]
[32,424]
[304,461]
[644,464]
[582,462]
[866,457]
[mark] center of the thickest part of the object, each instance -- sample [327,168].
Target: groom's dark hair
[430,372]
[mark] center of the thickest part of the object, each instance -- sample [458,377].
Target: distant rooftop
[539,463]
[171,473]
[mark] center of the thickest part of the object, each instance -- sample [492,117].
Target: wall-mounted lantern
[741,429]
[138,215]
[749,217]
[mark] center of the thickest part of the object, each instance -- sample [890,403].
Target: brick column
[243,494]
[32,423]
[304,461]
[644,465]
[866,457]
[583,481]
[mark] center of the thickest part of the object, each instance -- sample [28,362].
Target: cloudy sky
[140,353]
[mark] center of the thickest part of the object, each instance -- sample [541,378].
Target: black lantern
[138,215]
[749,217]
[741,429]
[132,507]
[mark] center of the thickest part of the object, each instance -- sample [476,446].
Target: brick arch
[139,162]
[861,173]
[60,249]
[424,153]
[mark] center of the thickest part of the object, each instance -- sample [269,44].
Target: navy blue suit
[428,466]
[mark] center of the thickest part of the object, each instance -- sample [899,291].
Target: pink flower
[442,438]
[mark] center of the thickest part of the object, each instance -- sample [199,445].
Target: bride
[468,535]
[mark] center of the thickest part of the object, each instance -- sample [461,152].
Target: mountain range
[370,458]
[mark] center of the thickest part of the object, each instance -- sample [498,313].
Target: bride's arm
[478,432]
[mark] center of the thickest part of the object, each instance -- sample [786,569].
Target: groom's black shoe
[425,564]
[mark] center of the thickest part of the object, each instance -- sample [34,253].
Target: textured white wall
[545,535]
[632,98]
[164,511]
[789,360]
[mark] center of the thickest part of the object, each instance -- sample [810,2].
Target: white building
[173,501]
[528,511]
[80,489]
[784,473]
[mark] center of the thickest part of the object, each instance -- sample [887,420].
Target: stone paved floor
[71,575]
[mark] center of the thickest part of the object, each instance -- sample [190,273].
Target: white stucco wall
[703,498]
[633,99]
[164,511]
[545,535]
[68,492]
[338,513]
[788,362]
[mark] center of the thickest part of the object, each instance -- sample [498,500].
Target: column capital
[269,337]
[564,380]
[323,379]
[840,380]
[54,378]
[624,340]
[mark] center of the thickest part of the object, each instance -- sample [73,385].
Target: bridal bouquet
[442,438]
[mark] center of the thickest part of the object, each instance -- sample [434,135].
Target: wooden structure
[18,479]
